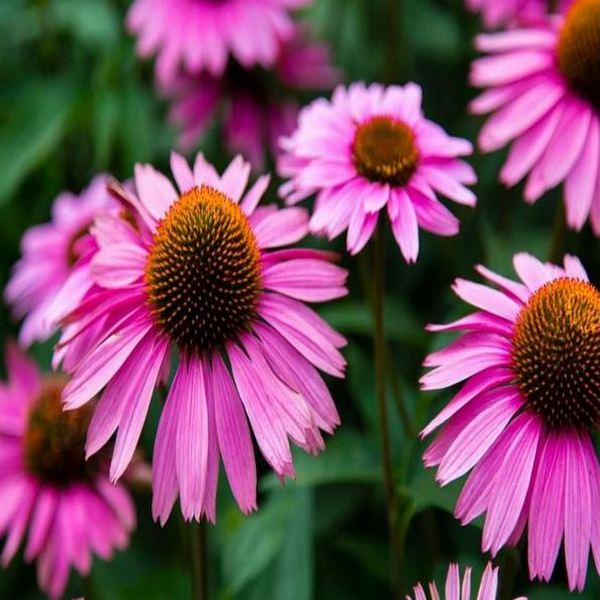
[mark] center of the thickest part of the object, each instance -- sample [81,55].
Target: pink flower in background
[52,275]
[545,96]
[523,421]
[201,35]
[64,509]
[369,149]
[257,107]
[208,276]
[512,12]
[455,590]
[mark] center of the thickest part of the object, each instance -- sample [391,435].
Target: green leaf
[295,573]
[94,23]
[354,317]
[348,458]
[252,547]
[425,492]
[33,131]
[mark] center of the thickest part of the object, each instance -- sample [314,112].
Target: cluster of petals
[255,111]
[62,527]
[43,291]
[523,472]
[457,590]
[202,35]
[555,132]
[318,159]
[270,377]
[511,12]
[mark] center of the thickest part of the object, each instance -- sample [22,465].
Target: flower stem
[558,236]
[197,547]
[380,362]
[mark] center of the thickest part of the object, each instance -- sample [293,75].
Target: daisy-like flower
[545,94]
[510,12]
[257,106]
[52,275]
[455,590]
[201,35]
[524,419]
[64,508]
[206,275]
[371,148]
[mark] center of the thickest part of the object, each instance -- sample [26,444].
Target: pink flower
[201,35]
[522,423]
[511,12]
[207,276]
[65,508]
[53,274]
[455,591]
[544,92]
[371,148]
[256,106]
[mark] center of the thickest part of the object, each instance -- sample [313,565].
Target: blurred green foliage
[75,100]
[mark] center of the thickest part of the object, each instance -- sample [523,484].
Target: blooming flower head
[455,590]
[371,148]
[257,106]
[511,12]
[201,35]
[523,421]
[64,508]
[52,275]
[545,95]
[206,275]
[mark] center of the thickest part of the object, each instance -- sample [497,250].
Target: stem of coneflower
[198,560]
[380,380]
[558,235]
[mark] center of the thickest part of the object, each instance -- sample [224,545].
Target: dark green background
[74,100]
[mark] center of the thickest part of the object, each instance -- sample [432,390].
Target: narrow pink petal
[581,182]
[405,226]
[512,482]
[192,437]
[234,438]
[475,439]
[103,362]
[452,589]
[269,431]
[546,518]
[182,172]
[488,588]
[487,299]
[578,511]
[135,408]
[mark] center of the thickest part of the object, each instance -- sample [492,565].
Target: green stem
[392,10]
[380,362]
[197,546]
[558,236]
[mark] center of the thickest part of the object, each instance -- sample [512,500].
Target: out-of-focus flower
[454,590]
[371,148]
[206,275]
[65,507]
[524,418]
[257,107]
[545,95]
[52,275]
[512,12]
[201,35]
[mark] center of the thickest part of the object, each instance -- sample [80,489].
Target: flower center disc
[203,273]
[556,353]
[54,439]
[579,50]
[384,150]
